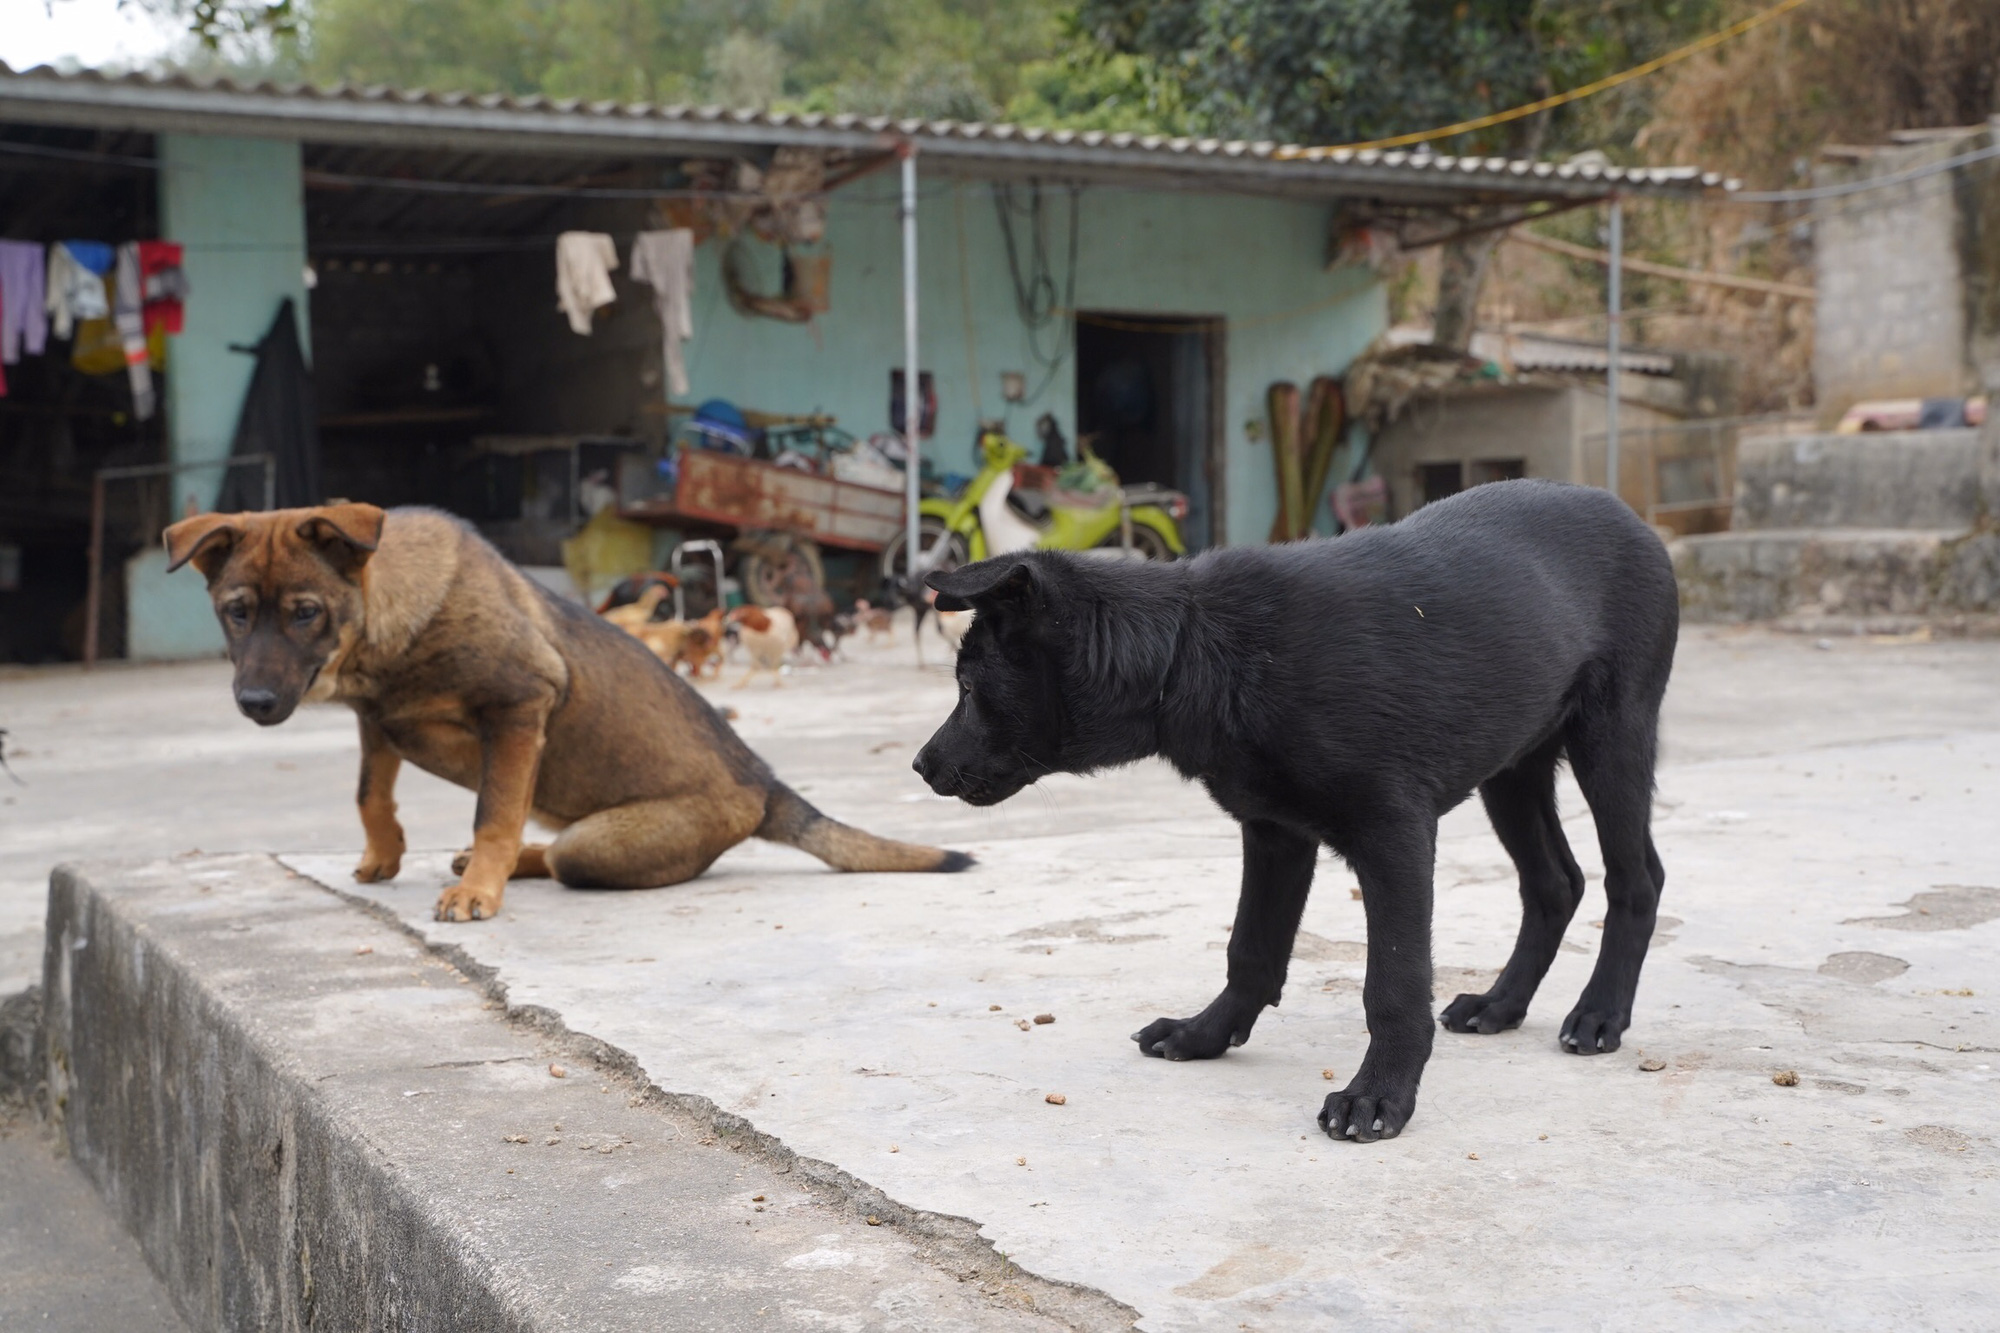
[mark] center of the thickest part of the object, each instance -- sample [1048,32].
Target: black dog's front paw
[1593,1031]
[1487,1014]
[1365,1117]
[1199,1038]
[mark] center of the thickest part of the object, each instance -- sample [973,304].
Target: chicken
[769,635]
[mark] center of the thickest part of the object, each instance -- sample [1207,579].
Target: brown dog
[457,662]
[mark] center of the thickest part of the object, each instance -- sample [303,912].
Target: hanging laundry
[24,322]
[97,349]
[166,285]
[75,287]
[97,256]
[584,260]
[665,260]
[127,312]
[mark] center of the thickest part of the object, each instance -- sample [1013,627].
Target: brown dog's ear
[346,534]
[206,539]
[988,581]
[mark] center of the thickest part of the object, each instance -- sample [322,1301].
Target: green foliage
[217,21]
[1302,70]
[957,58]
[1333,71]
[1086,89]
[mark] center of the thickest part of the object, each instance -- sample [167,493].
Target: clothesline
[662,259]
[115,302]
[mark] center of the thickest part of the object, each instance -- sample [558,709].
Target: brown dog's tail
[789,818]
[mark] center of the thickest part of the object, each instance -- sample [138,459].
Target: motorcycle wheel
[930,531]
[1148,543]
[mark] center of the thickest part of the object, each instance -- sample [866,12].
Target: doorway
[1148,399]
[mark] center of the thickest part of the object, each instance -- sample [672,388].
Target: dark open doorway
[1148,395]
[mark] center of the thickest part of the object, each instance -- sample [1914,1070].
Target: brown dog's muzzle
[264,707]
[272,674]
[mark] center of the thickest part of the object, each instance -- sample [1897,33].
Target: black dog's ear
[988,582]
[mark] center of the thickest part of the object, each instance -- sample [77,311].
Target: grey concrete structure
[1908,278]
[1553,425]
[310,1120]
[1857,528]
[1925,480]
[1824,816]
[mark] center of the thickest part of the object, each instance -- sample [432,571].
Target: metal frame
[675,564]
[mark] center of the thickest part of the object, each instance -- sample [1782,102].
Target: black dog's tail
[789,818]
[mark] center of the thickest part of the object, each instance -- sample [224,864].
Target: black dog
[1349,692]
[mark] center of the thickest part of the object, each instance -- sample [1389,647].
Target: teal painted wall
[1257,263]
[239,208]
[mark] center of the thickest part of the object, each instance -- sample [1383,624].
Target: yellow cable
[1713,39]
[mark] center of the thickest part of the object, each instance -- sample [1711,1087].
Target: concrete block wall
[1908,279]
[1901,479]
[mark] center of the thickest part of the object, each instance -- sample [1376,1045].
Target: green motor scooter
[988,518]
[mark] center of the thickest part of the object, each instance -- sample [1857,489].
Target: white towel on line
[665,259]
[584,260]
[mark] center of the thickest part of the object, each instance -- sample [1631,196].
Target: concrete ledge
[1765,575]
[1902,479]
[309,1119]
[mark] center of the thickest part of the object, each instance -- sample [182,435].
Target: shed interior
[59,425]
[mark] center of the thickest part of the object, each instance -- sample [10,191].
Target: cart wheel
[930,531]
[768,576]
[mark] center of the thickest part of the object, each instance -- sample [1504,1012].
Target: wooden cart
[776,517]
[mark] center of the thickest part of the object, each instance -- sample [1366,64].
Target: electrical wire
[1605,84]
[1847,188]
[80,155]
[1035,296]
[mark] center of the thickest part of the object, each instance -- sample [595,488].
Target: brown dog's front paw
[378,866]
[465,902]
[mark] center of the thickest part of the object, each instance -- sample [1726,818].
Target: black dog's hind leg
[1395,865]
[1613,761]
[1277,875]
[1521,801]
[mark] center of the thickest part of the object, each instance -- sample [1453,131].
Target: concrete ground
[65,1264]
[1826,819]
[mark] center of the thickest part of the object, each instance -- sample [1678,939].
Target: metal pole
[1611,347]
[913,409]
[93,601]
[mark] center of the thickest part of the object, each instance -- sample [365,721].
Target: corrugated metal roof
[1528,352]
[344,113]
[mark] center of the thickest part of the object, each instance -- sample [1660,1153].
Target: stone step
[1909,480]
[1770,575]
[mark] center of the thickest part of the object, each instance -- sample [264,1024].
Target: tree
[1344,71]
[956,58]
